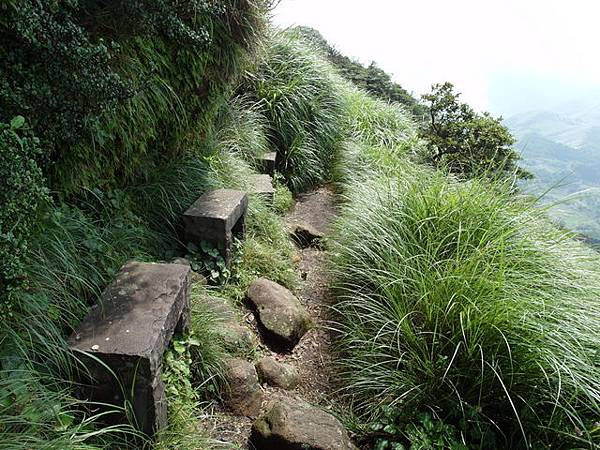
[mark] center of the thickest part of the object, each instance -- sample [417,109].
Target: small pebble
[95,347]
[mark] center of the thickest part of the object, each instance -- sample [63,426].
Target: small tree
[466,142]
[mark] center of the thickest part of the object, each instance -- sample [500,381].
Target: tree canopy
[466,142]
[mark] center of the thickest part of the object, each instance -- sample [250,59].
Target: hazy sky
[504,56]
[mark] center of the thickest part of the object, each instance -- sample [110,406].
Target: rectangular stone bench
[262,185]
[128,330]
[268,163]
[216,217]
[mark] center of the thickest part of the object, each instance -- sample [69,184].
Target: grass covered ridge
[461,301]
[298,92]
[465,318]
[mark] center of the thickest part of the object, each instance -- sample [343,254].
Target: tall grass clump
[377,123]
[463,301]
[298,91]
[379,136]
[244,129]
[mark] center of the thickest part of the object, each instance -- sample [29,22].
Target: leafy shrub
[22,191]
[424,433]
[113,88]
[465,142]
[53,72]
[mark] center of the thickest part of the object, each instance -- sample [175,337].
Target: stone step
[268,163]
[216,217]
[128,330]
[292,424]
[262,184]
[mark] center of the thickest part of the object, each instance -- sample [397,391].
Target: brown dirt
[312,355]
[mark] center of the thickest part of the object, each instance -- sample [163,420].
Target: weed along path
[279,397]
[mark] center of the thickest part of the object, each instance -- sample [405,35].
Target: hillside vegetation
[464,318]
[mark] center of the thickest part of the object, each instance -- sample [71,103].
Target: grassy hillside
[464,318]
[116,118]
[370,78]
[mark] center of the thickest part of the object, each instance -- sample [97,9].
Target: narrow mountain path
[311,217]
[312,356]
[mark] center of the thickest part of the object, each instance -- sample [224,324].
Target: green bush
[114,88]
[465,142]
[22,191]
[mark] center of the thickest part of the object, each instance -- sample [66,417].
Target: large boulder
[280,313]
[276,373]
[243,395]
[295,425]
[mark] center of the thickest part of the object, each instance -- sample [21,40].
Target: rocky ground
[280,400]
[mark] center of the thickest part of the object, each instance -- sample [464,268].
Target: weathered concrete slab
[128,330]
[268,163]
[216,217]
[262,184]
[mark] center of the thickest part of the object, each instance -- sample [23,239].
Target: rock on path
[277,373]
[243,395]
[280,313]
[293,425]
[236,338]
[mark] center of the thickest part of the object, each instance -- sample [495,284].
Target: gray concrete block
[262,185]
[268,163]
[128,331]
[216,217]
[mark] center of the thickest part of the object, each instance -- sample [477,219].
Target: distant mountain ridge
[562,148]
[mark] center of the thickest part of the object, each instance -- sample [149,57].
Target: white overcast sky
[505,56]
